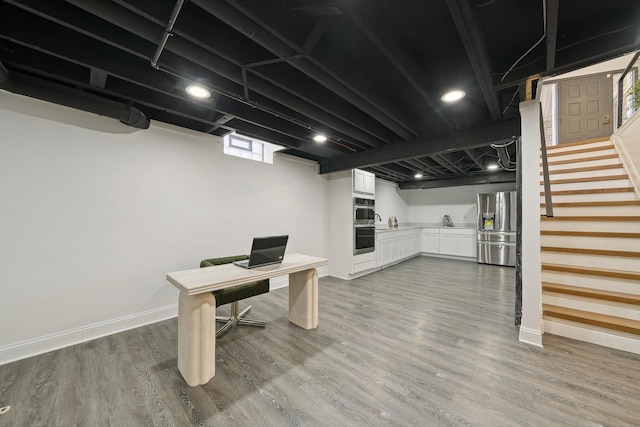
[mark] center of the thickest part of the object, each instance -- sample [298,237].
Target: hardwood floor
[427,342]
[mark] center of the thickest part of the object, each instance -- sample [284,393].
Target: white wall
[626,141]
[531,325]
[93,214]
[390,202]
[430,205]
[340,224]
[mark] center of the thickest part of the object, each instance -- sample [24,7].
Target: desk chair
[234,294]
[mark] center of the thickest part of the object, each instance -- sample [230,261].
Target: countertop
[381,228]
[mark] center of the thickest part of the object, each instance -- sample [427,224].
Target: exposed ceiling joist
[231,14]
[457,140]
[551,32]
[473,42]
[397,52]
[472,179]
[445,164]
[473,157]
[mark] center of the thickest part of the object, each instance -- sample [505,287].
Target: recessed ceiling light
[453,96]
[492,166]
[198,91]
[320,138]
[417,176]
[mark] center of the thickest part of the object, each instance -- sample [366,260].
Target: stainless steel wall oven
[363,211]
[364,229]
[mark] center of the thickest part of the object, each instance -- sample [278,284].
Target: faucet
[378,216]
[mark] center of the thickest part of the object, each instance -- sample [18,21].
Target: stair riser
[591,261]
[586,174]
[583,164]
[609,308]
[592,334]
[594,197]
[570,148]
[586,242]
[594,211]
[594,282]
[606,226]
[590,185]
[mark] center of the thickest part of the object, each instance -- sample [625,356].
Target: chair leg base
[236,318]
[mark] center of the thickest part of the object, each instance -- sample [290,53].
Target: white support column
[197,337]
[531,326]
[303,298]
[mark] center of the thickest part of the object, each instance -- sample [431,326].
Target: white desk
[197,306]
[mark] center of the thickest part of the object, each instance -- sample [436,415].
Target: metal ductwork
[504,158]
[41,89]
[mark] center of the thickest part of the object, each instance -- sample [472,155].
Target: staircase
[590,249]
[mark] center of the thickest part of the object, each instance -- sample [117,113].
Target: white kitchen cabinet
[458,242]
[466,246]
[397,245]
[387,254]
[430,240]
[364,182]
[363,262]
[448,244]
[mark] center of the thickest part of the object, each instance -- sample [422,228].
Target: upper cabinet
[364,182]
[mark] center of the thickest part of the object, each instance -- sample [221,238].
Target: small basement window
[249,148]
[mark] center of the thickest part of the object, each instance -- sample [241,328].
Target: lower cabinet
[448,245]
[467,246]
[458,242]
[396,245]
[363,262]
[430,240]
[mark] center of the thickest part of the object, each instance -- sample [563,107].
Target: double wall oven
[364,229]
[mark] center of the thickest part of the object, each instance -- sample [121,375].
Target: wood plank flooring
[427,342]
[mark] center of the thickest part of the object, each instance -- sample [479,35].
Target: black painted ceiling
[369,74]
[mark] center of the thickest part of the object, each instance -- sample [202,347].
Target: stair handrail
[621,95]
[548,204]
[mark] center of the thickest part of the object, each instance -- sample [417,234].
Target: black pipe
[51,92]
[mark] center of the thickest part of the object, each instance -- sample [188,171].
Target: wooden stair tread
[554,153]
[587,179]
[591,191]
[595,204]
[585,169]
[629,218]
[575,143]
[602,320]
[592,271]
[617,235]
[583,251]
[583,159]
[592,293]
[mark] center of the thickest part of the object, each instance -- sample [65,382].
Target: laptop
[265,251]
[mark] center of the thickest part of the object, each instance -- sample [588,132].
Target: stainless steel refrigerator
[497,228]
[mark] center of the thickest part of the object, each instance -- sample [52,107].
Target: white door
[585,108]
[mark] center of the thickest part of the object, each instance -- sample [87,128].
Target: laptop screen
[268,250]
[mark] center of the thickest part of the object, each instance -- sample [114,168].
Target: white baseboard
[45,344]
[593,335]
[530,336]
[459,258]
